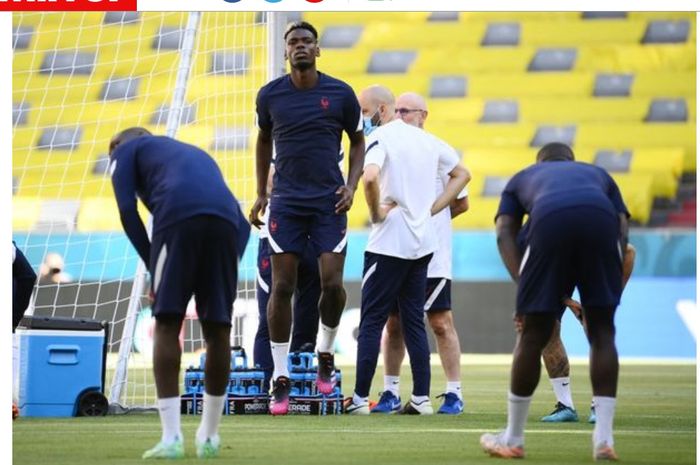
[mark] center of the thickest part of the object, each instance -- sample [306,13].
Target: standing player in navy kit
[199,234]
[577,231]
[305,113]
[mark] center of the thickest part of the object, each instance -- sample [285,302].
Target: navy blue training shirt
[175,181]
[307,127]
[550,186]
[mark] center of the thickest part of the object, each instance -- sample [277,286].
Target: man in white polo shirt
[412,109]
[401,166]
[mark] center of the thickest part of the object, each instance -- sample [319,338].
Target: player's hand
[383,212]
[258,208]
[519,322]
[345,202]
[151,297]
[575,307]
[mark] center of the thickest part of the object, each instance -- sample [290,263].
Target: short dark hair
[555,151]
[127,135]
[300,25]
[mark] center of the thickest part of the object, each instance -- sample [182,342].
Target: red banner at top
[67,5]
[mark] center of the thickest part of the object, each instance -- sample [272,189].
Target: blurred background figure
[51,270]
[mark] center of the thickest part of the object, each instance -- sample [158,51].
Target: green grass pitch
[655,425]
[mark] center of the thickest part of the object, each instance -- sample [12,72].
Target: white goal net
[78,78]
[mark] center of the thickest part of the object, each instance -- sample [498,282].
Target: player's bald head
[412,109]
[126,135]
[377,95]
[411,100]
[555,151]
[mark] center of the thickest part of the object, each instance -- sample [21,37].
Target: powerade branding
[67,5]
[300,408]
[257,407]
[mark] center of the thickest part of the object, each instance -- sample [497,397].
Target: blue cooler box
[62,363]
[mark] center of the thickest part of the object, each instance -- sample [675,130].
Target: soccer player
[412,109]
[402,165]
[305,113]
[199,234]
[557,363]
[305,308]
[563,199]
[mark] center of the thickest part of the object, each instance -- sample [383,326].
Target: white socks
[326,338]
[391,384]
[605,412]
[211,417]
[280,350]
[562,390]
[517,416]
[357,400]
[169,412]
[455,387]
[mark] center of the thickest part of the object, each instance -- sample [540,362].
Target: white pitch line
[368,431]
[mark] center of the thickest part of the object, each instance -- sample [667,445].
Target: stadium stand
[620,87]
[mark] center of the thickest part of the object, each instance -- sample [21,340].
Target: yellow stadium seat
[636,191]
[321,20]
[666,84]
[546,32]
[25,213]
[626,58]
[484,134]
[425,35]
[523,84]
[101,214]
[481,213]
[358,216]
[341,62]
[646,135]
[397,83]
[458,60]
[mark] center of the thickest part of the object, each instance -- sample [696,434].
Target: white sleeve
[375,154]
[463,194]
[448,158]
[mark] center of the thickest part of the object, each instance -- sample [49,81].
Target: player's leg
[328,237]
[411,301]
[382,278]
[556,362]
[393,351]
[306,297]
[215,292]
[545,275]
[173,264]
[599,280]
[262,354]
[438,306]
[279,320]
[287,236]
[604,370]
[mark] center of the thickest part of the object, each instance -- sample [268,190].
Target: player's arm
[352,125]
[357,160]
[628,263]
[459,176]
[263,158]
[459,206]
[370,179]
[124,185]
[374,160]
[507,228]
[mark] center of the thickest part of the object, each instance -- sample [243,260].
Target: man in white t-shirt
[401,166]
[412,109]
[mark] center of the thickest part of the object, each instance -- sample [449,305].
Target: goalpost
[78,78]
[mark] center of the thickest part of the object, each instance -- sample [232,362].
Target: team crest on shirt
[273,226]
[265,263]
[325,103]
